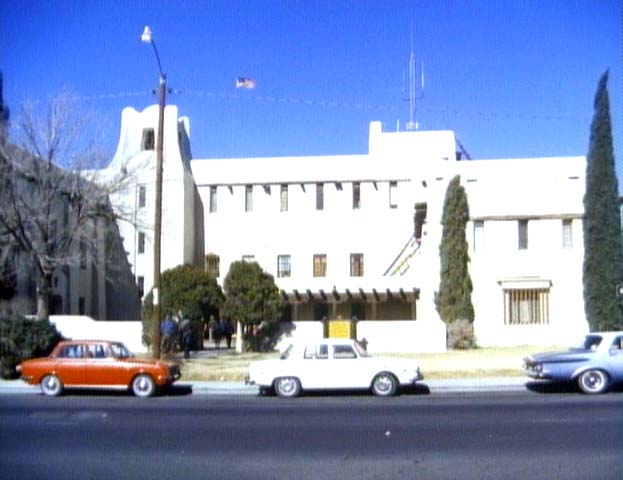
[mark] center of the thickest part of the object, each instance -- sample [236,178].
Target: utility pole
[147,37]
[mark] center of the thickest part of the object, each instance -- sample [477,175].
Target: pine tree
[603,255]
[454,298]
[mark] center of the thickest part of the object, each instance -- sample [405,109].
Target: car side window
[96,351]
[617,345]
[316,351]
[72,351]
[343,352]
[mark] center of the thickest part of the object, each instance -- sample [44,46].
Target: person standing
[169,331]
[187,336]
[218,334]
[228,330]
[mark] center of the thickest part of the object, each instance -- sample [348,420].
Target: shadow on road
[564,387]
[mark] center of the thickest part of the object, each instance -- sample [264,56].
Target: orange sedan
[97,364]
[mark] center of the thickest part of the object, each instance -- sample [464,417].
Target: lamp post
[147,37]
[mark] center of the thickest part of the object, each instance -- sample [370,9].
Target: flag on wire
[244,82]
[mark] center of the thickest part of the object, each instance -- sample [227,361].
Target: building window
[213,265]
[283,266]
[393,194]
[526,307]
[81,306]
[213,199]
[320,265]
[356,195]
[142,196]
[248,198]
[522,231]
[356,264]
[140,285]
[567,234]
[479,235]
[83,254]
[148,139]
[141,242]
[284,198]
[319,196]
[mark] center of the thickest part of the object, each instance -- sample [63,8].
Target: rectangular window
[356,264]
[320,265]
[522,231]
[283,266]
[356,195]
[213,199]
[284,198]
[393,195]
[319,196]
[142,196]
[248,198]
[479,235]
[526,307]
[141,242]
[140,285]
[567,234]
[148,139]
[81,306]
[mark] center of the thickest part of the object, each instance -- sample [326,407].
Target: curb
[518,384]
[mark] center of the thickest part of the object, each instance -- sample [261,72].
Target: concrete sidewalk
[501,384]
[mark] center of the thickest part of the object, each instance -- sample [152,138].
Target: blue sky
[512,78]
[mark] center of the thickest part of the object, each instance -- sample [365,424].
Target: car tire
[51,386]
[143,385]
[384,385]
[288,387]
[593,381]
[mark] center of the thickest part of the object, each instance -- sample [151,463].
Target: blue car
[595,364]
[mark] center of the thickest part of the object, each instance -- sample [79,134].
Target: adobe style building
[356,237]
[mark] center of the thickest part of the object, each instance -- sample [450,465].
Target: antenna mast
[414,95]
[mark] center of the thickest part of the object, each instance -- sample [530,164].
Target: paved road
[480,436]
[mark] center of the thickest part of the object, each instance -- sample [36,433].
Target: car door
[615,358]
[314,369]
[347,368]
[70,364]
[102,367]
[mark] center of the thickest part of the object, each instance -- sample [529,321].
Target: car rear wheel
[288,387]
[593,381]
[384,385]
[143,385]
[51,386]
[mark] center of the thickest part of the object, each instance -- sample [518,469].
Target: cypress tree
[603,255]
[454,298]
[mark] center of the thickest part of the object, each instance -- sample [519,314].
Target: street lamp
[147,37]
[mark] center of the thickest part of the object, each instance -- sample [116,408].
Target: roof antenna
[414,94]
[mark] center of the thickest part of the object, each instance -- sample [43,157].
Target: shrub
[461,335]
[22,338]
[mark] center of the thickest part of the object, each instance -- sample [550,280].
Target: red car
[97,364]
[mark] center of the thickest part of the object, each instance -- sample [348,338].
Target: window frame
[356,265]
[284,266]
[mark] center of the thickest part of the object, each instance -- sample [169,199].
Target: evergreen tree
[454,298]
[603,255]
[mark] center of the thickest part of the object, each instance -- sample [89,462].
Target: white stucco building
[357,236]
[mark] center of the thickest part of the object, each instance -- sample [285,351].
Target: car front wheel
[384,385]
[143,386]
[593,381]
[288,387]
[51,386]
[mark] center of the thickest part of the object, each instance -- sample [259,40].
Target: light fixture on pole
[147,37]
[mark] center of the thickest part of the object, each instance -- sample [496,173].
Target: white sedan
[329,364]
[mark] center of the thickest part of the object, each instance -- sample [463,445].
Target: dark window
[356,195]
[522,231]
[319,196]
[356,264]
[148,139]
[142,193]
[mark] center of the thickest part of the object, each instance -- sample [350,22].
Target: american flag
[245,82]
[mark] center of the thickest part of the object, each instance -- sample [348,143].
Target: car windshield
[590,342]
[119,350]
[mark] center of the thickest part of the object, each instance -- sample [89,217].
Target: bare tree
[53,202]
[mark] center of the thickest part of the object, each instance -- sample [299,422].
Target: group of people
[180,332]
[218,329]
